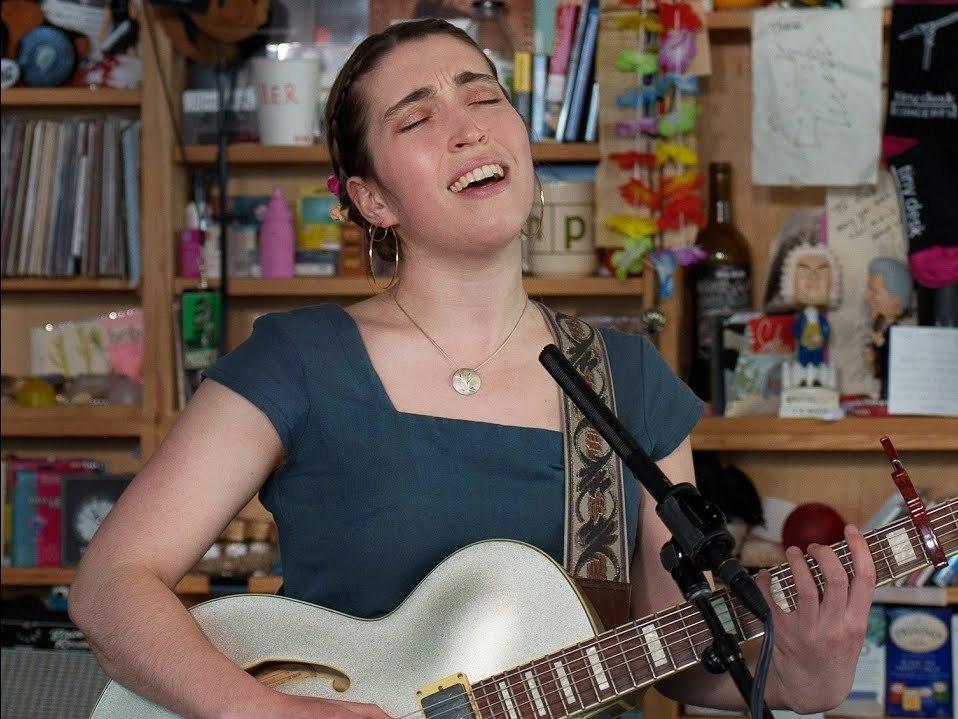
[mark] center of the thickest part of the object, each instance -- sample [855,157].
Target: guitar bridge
[449,698]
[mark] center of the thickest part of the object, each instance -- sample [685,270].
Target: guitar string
[489,690]
[485,690]
[783,589]
[482,690]
[729,616]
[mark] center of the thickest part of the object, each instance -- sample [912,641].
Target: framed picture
[87,499]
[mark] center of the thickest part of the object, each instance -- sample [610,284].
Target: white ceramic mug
[566,247]
[286,99]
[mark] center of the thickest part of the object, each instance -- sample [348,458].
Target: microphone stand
[700,540]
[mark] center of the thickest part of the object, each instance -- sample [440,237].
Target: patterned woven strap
[596,546]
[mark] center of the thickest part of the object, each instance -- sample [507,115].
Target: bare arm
[213,461]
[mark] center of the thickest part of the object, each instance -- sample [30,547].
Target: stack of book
[70,194]
[565,94]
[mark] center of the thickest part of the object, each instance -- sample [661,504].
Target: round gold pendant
[466,381]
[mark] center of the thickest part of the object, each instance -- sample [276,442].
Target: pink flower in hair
[332,184]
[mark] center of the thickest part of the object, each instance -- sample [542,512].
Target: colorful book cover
[123,335]
[919,656]
[32,499]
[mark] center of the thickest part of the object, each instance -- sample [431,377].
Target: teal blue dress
[370,499]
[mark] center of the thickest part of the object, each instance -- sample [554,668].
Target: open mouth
[484,176]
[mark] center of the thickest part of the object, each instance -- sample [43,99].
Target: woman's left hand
[817,645]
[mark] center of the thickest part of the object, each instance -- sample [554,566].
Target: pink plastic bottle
[277,238]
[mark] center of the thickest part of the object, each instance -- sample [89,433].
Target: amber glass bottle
[721,284]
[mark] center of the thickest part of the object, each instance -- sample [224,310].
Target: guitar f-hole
[274,673]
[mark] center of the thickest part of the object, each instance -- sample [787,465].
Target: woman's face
[451,155]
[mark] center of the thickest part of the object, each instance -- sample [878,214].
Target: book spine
[540,71]
[24,547]
[592,123]
[573,70]
[566,15]
[582,87]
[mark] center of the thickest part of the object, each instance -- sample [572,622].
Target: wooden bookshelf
[361,287]
[72,421]
[66,284]
[190,584]
[247,153]
[69,97]
[53,576]
[772,434]
[742,20]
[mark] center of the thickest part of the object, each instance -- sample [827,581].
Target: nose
[466,132]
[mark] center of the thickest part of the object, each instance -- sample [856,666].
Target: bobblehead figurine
[810,284]
[889,299]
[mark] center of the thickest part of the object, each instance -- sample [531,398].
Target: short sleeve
[671,409]
[268,370]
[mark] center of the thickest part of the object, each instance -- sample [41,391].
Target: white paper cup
[286,99]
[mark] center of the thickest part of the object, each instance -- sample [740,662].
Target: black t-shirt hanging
[923,71]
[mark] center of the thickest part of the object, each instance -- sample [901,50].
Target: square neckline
[364,369]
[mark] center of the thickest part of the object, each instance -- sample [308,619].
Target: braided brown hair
[345,116]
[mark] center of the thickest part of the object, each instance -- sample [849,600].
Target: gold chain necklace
[465,380]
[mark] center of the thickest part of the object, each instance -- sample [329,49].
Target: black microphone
[697,525]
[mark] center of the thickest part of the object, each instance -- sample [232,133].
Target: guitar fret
[653,644]
[581,674]
[568,691]
[616,662]
[602,682]
[505,695]
[532,688]
[569,682]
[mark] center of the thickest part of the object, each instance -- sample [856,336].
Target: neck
[600,671]
[467,303]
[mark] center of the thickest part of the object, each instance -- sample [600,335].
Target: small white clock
[90,515]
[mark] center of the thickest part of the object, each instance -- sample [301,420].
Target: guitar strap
[596,545]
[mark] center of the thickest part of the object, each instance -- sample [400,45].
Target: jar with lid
[493,37]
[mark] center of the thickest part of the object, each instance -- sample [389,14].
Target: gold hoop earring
[537,233]
[372,271]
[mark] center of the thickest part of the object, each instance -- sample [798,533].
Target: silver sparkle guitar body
[488,607]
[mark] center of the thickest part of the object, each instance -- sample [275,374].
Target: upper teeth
[480,173]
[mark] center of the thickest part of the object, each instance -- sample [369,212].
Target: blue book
[130,146]
[23,542]
[575,57]
[540,71]
[582,87]
[592,121]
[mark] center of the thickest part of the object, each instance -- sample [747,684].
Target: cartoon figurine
[811,283]
[889,299]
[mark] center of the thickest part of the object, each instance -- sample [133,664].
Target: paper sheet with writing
[816,96]
[923,371]
[862,223]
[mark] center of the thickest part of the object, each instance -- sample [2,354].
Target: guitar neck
[642,652]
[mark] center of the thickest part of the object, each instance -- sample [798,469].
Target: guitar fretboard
[642,652]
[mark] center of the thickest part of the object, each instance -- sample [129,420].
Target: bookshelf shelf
[851,434]
[361,287]
[742,20]
[66,284]
[52,576]
[190,584]
[254,154]
[72,421]
[69,97]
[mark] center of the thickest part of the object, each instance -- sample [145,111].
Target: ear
[369,200]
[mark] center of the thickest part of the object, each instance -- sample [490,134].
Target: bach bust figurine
[889,299]
[811,283]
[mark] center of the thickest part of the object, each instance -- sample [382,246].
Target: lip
[475,165]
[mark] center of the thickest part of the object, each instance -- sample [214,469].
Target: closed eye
[488,102]
[413,124]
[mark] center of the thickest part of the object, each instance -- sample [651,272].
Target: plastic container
[277,238]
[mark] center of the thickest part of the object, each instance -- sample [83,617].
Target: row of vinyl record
[70,198]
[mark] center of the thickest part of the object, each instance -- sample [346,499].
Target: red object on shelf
[812,523]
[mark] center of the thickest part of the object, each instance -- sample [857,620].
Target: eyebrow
[463,78]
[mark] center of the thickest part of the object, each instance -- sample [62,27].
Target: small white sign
[923,371]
